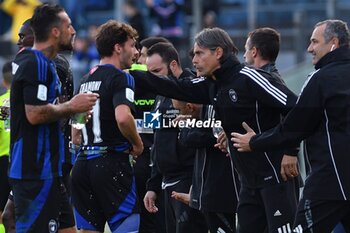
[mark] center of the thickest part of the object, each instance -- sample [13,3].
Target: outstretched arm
[189,89]
[241,141]
[289,164]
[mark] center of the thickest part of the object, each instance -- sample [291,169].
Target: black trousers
[321,216]
[149,223]
[269,209]
[181,218]
[4,182]
[221,222]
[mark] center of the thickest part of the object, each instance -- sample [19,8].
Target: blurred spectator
[79,10]
[169,19]
[209,19]
[134,17]
[5,20]
[85,54]
[20,10]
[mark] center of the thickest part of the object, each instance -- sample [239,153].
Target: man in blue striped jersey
[36,138]
[103,182]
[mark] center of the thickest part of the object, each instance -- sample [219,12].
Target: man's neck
[178,73]
[110,60]
[260,63]
[47,48]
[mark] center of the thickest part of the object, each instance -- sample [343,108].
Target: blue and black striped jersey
[36,150]
[115,87]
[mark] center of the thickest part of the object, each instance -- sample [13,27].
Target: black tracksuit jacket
[321,117]
[215,184]
[239,94]
[172,160]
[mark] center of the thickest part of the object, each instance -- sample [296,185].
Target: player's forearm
[128,128]
[41,114]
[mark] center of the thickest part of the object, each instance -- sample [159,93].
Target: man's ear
[190,107]
[254,51]
[172,65]
[219,52]
[335,42]
[117,48]
[55,31]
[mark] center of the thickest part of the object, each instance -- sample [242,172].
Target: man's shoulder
[26,59]
[111,71]
[24,55]
[254,73]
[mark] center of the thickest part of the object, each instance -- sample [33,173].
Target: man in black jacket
[321,117]
[261,51]
[214,193]
[240,93]
[173,162]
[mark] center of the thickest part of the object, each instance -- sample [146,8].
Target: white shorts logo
[53,226]
[42,92]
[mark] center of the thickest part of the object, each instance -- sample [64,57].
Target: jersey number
[96,125]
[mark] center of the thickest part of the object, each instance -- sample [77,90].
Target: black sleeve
[154,183]
[272,93]
[197,137]
[123,90]
[190,90]
[301,121]
[269,90]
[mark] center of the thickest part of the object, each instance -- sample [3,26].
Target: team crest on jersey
[53,226]
[233,95]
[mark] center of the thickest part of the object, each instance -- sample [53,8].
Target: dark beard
[65,47]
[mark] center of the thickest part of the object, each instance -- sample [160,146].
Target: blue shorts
[103,190]
[41,205]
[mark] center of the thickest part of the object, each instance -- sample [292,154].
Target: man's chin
[66,47]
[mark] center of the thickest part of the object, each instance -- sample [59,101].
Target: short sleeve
[124,90]
[33,74]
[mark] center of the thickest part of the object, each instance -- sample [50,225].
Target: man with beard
[25,40]
[103,183]
[239,93]
[173,163]
[36,137]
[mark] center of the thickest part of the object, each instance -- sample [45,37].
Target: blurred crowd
[167,18]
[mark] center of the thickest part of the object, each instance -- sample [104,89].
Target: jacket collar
[269,67]
[339,54]
[228,67]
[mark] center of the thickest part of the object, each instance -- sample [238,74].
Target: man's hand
[221,142]
[136,150]
[289,167]
[149,201]
[83,102]
[182,197]
[241,141]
